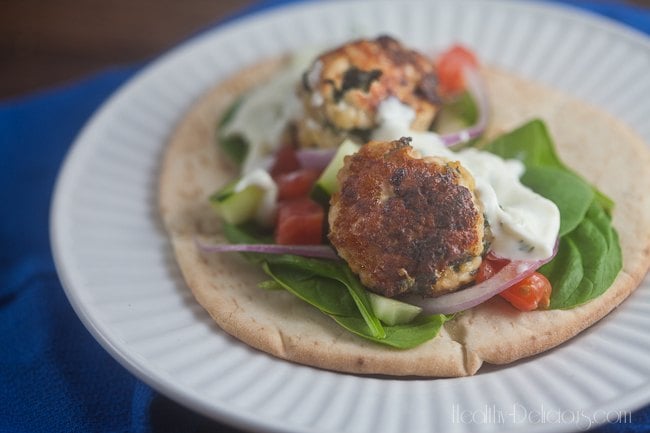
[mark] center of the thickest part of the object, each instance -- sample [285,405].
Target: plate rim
[78,150]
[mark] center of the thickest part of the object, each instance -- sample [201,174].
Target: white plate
[119,274]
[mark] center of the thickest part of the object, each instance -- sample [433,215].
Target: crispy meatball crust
[407,224]
[343,88]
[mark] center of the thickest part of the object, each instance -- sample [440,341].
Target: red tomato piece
[300,222]
[296,183]
[489,267]
[530,293]
[450,66]
[285,161]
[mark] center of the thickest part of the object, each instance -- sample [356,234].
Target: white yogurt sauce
[265,112]
[524,224]
[260,120]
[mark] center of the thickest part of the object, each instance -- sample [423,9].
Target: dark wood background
[45,43]
[50,42]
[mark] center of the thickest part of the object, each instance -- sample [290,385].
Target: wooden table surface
[48,43]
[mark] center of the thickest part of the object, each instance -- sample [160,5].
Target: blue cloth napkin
[54,377]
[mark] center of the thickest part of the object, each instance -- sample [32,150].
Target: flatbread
[596,145]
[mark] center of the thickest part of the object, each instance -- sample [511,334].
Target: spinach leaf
[464,108]
[270,285]
[334,270]
[230,112]
[614,259]
[591,247]
[570,193]
[589,254]
[531,143]
[340,272]
[412,334]
[331,287]
[248,233]
[328,295]
[564,272]
[594,244]
[455,116]
[233,145]
[332,298]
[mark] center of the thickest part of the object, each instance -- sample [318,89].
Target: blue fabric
[54,377]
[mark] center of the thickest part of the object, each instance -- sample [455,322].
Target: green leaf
[229,114]
[613,261]
[329,296]
[323,284]
[603,222]
[570,193]
[589,254]
[407,336]
[248,233]
[270,285]
[333,298]
[233,145]
[605,202]
[564,272]
[588,261]
[338,271]
[325,268]
[592,247]
[331,269]
[464,107]
[531,143]
[456,115]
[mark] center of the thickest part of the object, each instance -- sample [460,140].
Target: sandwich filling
[507,218]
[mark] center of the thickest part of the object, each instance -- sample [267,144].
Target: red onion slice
[315,158]
[317,251]
[510,274]
[476,87]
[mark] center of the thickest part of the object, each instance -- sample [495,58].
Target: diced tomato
[300,222]
[285,161]
[530,293]
[296,183]
[450,65]
[489,266]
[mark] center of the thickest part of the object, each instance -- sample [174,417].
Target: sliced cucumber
[327,184]
[236,207]
[391,311]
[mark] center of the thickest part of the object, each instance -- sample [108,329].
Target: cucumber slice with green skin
[327,184]
[236,207]
[391,311]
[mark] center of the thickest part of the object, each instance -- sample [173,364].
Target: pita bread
[588,140]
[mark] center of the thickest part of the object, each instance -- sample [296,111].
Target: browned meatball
[407,224]
[343,88]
